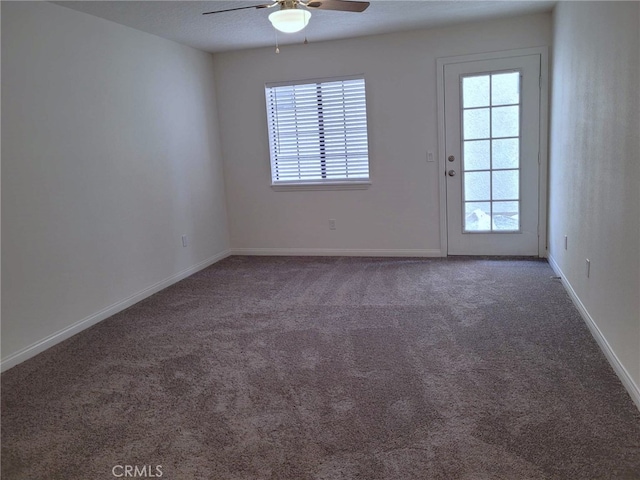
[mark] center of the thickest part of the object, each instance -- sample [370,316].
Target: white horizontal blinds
[318,131]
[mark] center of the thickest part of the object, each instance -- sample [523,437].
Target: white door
[492,113]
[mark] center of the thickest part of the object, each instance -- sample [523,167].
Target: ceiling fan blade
[241,8]
[341,5]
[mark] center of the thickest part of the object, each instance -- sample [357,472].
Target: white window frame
[317,184]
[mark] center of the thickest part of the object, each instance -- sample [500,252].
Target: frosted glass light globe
[290,20]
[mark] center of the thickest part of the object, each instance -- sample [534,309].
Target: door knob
[451,173]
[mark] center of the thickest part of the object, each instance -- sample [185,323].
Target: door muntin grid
[490,151]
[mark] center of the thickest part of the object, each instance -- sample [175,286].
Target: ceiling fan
[291,18]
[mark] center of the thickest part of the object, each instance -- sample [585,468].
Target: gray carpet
[329,368]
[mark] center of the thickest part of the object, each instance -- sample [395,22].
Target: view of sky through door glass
[491,152]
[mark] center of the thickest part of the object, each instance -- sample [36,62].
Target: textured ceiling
[183,22]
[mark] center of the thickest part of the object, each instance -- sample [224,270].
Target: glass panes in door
[491,152]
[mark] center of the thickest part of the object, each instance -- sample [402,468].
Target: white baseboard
[623,375]
[48,342]
[337,252]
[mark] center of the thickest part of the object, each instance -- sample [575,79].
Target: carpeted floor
[329,368]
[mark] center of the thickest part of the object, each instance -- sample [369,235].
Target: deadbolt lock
[451,158]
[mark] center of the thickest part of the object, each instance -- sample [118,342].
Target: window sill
[291,187]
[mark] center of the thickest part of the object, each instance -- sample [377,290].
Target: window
[491,151]
[318,132]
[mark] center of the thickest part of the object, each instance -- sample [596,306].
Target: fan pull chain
[277,47]
[306,42]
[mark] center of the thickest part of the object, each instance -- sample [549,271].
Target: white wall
[110,153]
[399,213]
[595,171]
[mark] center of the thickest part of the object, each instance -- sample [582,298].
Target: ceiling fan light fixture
[290,20]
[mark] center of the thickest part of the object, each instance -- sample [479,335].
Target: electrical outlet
[429,156]
[588,267]
[566,242]
[184,240]
[332,224]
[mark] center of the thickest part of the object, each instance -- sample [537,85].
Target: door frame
[542,145]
